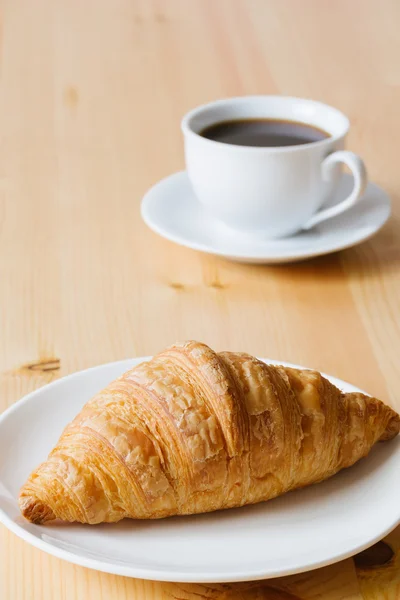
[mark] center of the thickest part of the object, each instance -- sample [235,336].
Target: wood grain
[91,95]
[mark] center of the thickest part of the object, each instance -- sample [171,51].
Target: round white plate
[302,530]
[170,209]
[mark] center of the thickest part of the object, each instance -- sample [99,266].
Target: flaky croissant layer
[194,431]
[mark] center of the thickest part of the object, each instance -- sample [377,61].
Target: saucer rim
[278,258]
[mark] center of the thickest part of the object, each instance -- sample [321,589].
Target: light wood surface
[91,97]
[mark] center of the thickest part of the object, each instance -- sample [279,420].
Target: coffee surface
[263,133]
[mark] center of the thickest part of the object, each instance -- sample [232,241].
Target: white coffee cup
[270,191]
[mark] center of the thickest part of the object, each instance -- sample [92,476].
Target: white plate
[170,209]
[299,531]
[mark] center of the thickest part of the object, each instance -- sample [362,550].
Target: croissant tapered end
[34,510]
[392,428]
[381,422]
[67,489]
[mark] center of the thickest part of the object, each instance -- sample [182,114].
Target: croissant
[193,431]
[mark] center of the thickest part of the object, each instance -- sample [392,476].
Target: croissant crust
[193,431]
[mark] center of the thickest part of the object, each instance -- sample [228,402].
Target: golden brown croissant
[193,431]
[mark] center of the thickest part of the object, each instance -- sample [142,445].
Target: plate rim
[293,256]
[158,574]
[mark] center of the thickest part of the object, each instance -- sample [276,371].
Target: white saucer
[171,209]
[299,531]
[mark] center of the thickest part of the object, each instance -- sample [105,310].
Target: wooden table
[92,93]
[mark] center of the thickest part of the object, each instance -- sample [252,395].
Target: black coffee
[263,132]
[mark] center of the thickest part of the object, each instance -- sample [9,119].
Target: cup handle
[357,167]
